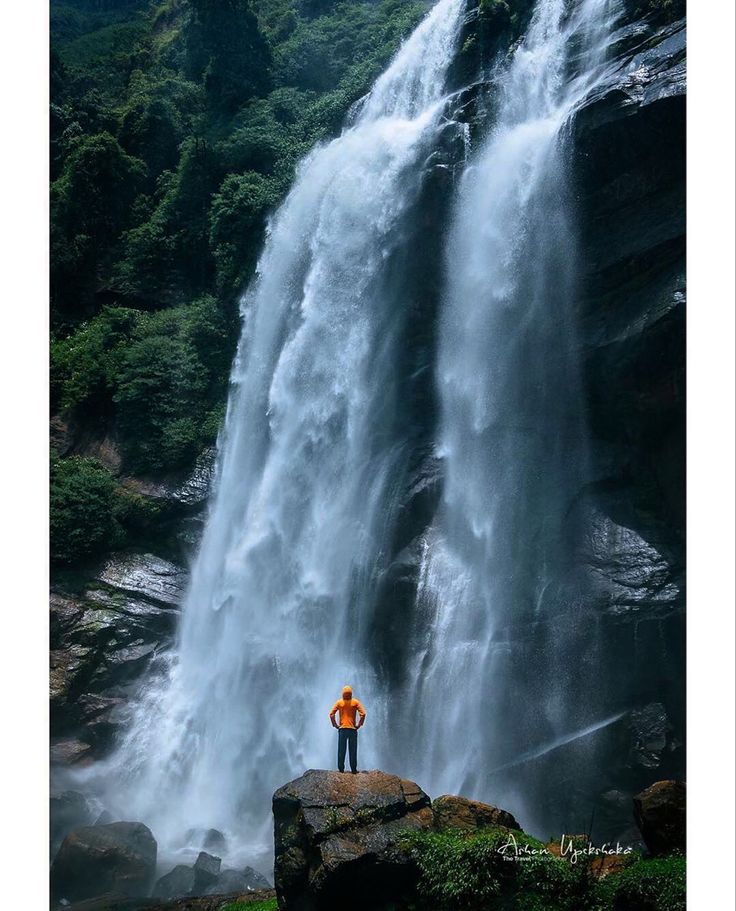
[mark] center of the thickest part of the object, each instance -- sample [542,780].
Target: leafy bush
[170,251]
[170,384]
[321,52]
[503,17]
[89,512]
[237,219]
[467,872]
[656,884]
[83,496]
[158,114]
[84,365]
[90,206]
[160,377]
[97,185]
[460,871]
[494,9]
[228,50]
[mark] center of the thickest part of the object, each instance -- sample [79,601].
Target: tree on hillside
[227,48]
[90,206]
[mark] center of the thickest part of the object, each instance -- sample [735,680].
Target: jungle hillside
[176,127]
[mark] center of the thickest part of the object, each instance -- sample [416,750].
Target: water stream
[503,625]
[272,623]
[279,609]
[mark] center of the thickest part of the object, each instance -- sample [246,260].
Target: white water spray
[503,639]
[296,531]
[279,609]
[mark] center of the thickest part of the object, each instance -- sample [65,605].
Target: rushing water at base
[272,623]
[503,624]
[279,609]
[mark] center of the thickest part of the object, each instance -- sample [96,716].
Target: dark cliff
[626,526]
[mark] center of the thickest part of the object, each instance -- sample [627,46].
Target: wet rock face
[651,735]
[92,860]
[206,878]
[102,639]
[67,810]
[660,815]
[629,174]
[190,491]
[629,158]
[156,580]
[108,622]
[176,883]
[246,880]
[452,812]
[629,573]
[211,840]
[206,870]
[337,835]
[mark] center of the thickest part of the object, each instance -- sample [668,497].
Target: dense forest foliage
[175,130]
[176,126]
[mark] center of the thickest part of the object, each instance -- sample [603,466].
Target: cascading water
[504,660]
[314,452]
[305,491]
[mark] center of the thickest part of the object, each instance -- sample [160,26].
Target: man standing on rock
[347,730]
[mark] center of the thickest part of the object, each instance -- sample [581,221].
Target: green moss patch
[510,871]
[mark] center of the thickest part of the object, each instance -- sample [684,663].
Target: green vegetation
[175,129]
[162,374]
[268,905]
[490,8]
[90,513]
[176,126]
[498,26]
[461,871]
[467,872]
[656,884]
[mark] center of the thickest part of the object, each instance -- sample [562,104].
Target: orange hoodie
[348,708]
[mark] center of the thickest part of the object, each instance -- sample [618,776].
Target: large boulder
[229,881]
[94,860]
[338,835]
[254,880]
[206,871]
[176,883]
[660,814]
[452,812]
[67,810]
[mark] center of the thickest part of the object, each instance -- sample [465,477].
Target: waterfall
[504,628]
[281,606]
[305,490]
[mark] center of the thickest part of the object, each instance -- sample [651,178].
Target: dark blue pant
[347,737]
